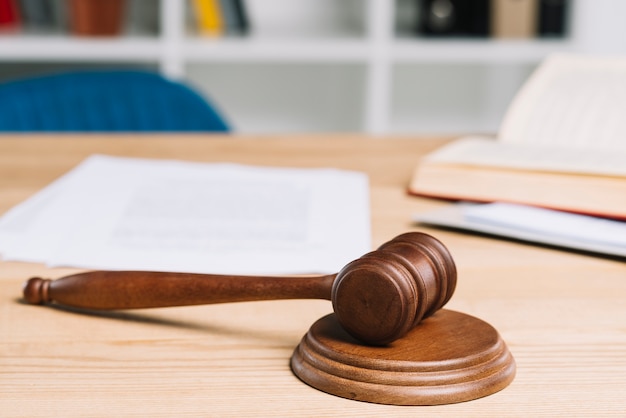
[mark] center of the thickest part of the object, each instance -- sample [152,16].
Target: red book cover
[9,14]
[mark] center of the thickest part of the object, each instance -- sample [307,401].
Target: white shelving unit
[328,65]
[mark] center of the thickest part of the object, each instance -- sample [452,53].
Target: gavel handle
[145,289]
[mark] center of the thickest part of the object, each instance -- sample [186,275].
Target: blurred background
[282,66]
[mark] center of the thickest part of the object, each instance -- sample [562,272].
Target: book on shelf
[9,15]
[492,18]
[209,17]
[561,145]
[36,14]
[97,18]
[514,18]
[553,18]
[235,17]
[221,17]
[43,15]
[453,18]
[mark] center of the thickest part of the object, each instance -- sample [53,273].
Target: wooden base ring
[450,357]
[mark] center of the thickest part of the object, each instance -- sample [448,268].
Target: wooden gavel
[377,298]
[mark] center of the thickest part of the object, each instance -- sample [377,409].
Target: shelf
[260,49]
[487,51]
[56,48]
[321,65]
[405,50]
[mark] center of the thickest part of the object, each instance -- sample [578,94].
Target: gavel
[376,298]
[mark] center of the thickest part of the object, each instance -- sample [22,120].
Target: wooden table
[563,315]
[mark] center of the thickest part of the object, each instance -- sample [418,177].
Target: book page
[483,151]
[571,101]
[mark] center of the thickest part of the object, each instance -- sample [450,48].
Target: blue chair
[105,101]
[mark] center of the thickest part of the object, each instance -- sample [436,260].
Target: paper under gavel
[377,298]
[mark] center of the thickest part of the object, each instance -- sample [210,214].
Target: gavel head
[379,297]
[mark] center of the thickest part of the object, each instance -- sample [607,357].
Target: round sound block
[450,357]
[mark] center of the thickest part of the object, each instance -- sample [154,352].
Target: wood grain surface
[561,314]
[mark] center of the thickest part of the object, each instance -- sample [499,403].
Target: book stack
[557,166]
[220,17]
[492,18]
[79,17]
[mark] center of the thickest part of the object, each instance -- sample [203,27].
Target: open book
[562,145]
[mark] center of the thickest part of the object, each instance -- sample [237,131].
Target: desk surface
[563,315]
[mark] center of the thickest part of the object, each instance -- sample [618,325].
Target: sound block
[449,357]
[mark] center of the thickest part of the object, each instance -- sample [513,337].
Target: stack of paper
[561,146]
[533,224]
[136,214]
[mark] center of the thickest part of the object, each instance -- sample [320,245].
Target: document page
[123,213]
[571,101]
[567,226]
[567,230]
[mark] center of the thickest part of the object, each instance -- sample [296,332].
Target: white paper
[534,224]
[16,221]
[122,213]
[550,222]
